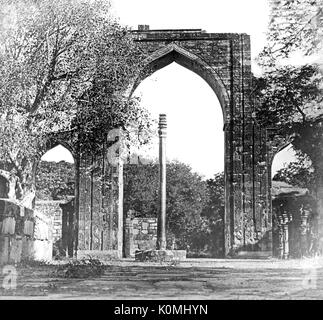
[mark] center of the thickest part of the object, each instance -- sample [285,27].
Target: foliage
[295,25]
[55,181]
[30,263]
[141,189]
[297,173]
[194,207]
[65,66]
[83,268]
[289,98]
[214,213]
[289,95]
[215,205]
[186,194]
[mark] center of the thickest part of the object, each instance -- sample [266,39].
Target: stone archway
[55,211]
[224,62]
[175,53]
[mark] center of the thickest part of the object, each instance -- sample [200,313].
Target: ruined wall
[140,234]
[100,213]
[52,210]
[17,240]
[224,62]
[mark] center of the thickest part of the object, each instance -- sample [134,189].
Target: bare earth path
[193,279]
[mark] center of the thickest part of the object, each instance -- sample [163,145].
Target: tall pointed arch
[174,53]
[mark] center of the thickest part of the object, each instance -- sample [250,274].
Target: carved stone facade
[294,222]
[224,62]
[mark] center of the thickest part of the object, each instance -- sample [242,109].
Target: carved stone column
[161,235]
[303,231]
[280,237]
[286,220]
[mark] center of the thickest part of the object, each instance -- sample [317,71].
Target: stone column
[286,220]
[161,229]
[303,231]
[280,237]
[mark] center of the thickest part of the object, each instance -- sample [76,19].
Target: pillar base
[254,255]
[160,255]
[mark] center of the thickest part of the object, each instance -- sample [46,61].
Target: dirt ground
[192,279]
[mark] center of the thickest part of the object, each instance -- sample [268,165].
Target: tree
[65,66]
[195,208]
[141,183]
[55,181]
[289,98]
[214,214]
[295,26]
[298,173]
[186,197]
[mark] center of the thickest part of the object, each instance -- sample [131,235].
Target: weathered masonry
[224,62]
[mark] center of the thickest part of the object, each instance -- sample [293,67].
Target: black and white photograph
[168,152]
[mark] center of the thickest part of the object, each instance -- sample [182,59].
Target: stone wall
[59,216]
[294,222]
[224,62]
[140,234]
[52,212]
[17,238]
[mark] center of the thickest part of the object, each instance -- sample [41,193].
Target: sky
[195,134]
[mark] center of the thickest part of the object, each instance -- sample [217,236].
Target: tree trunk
[28,196]
[22,186]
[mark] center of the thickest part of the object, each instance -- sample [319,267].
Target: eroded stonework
[224,62]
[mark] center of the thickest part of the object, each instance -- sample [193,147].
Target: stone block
[8,226]
[142,236]
[4,249]
[15,250]
[19,227]
[27,248]
[28,228]
[146,244]
[135,221]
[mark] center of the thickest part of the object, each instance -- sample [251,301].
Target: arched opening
[174,53]
[294,210]
[282,159]
[195,155]
[54,203]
